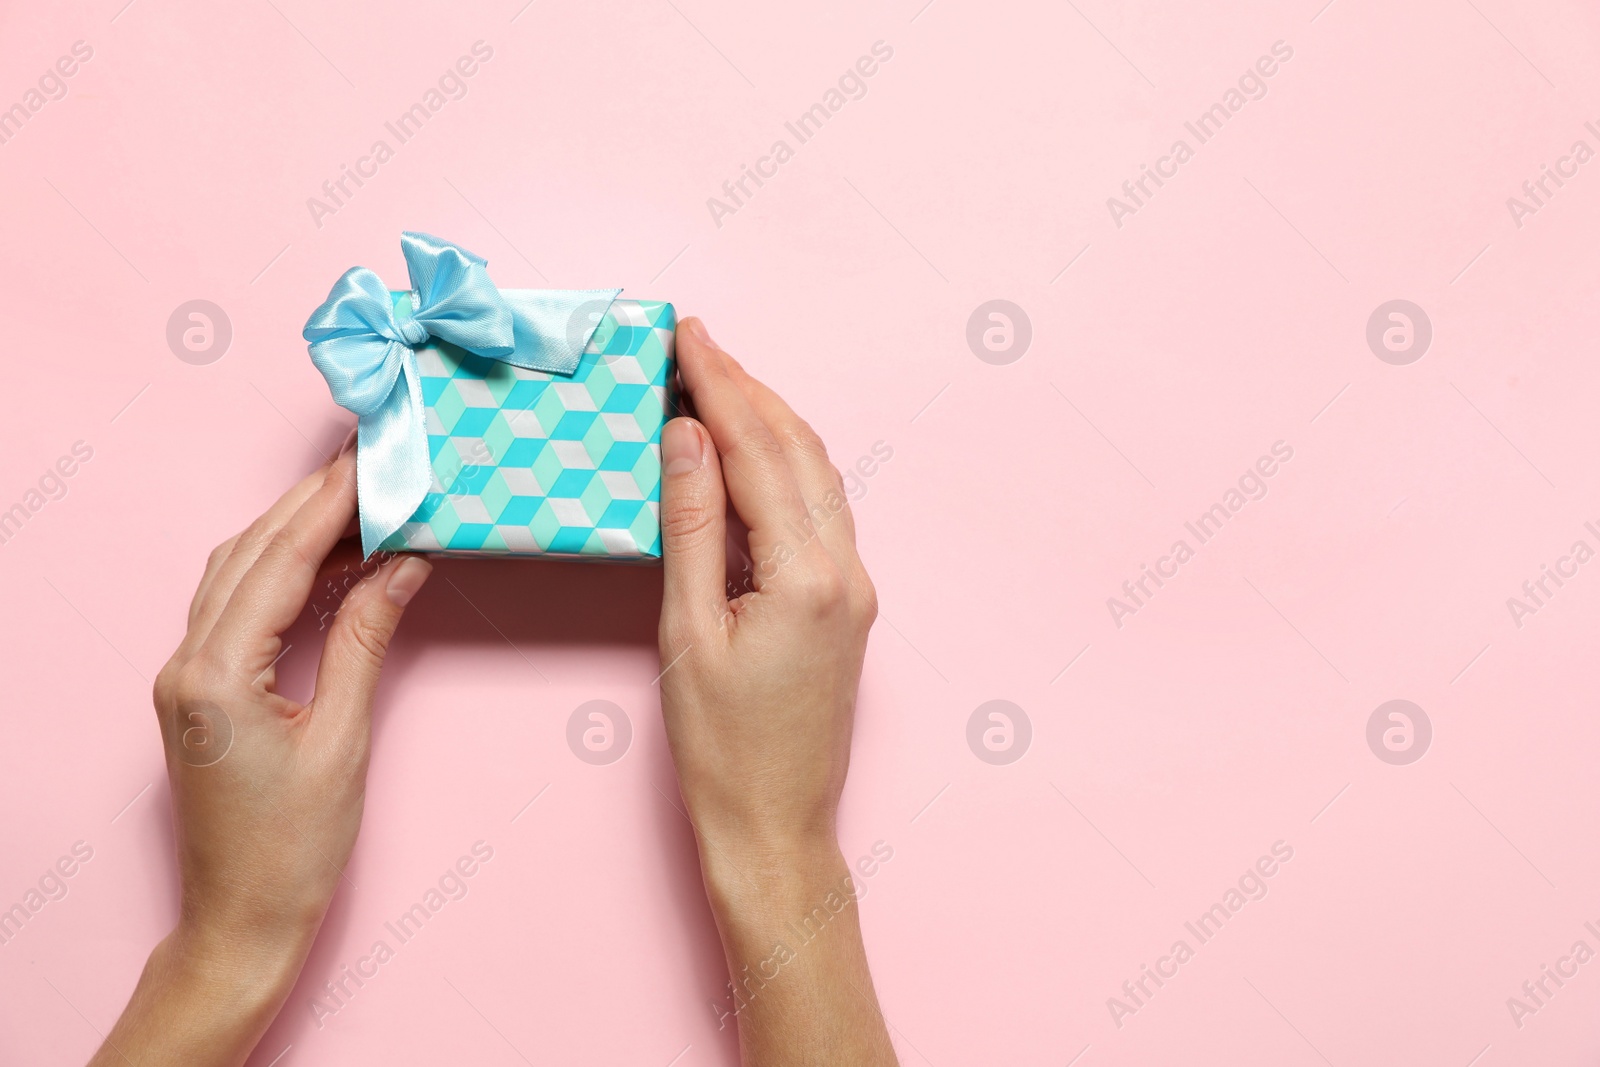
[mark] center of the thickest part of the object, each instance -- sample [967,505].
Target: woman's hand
[759,691]
[266,793]
[758,694]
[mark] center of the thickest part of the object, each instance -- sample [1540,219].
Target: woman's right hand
[758,693]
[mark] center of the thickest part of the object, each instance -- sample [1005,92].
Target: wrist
[242,931]
[249,976]
[202,1001]
[755,886]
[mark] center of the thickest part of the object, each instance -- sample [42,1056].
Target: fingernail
[349,442]
[698,330]
[680,447]
[407,579]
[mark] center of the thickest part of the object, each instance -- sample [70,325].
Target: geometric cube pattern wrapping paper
[527,463]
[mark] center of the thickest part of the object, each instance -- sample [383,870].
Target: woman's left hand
[267,793]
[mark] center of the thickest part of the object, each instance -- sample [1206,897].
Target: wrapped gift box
[527,463]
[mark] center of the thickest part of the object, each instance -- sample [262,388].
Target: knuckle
[822,588]
[163,691]
[685,520]
[800,438]
[366,636]
[220,554]
[251,539]
[284,552]
[757,444]
[866,600]
[838,507]
[193,682]
[838,484]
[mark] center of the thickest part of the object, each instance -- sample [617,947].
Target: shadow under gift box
[527,463]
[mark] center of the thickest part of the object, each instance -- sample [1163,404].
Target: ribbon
[366,349]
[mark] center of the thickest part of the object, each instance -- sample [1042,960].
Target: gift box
[499,422]
[531,463]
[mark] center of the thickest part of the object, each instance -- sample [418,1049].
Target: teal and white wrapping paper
[522,422]
[535,464]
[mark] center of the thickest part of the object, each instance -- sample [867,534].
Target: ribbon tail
[553,326]
[393,473]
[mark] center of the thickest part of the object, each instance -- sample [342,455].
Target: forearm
[201,1002]
[800,990]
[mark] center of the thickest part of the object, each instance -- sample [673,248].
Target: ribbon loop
[366,352]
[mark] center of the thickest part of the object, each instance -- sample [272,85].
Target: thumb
[693,527]
[358,638]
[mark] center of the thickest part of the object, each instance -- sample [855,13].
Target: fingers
[358,638]
[818,527]
[271,594]
[225,568]
[755,473]
[693,527]
[214,564]
[820,484]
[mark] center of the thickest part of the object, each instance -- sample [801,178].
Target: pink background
[1229,313]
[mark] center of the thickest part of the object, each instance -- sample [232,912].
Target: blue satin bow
[364,347]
